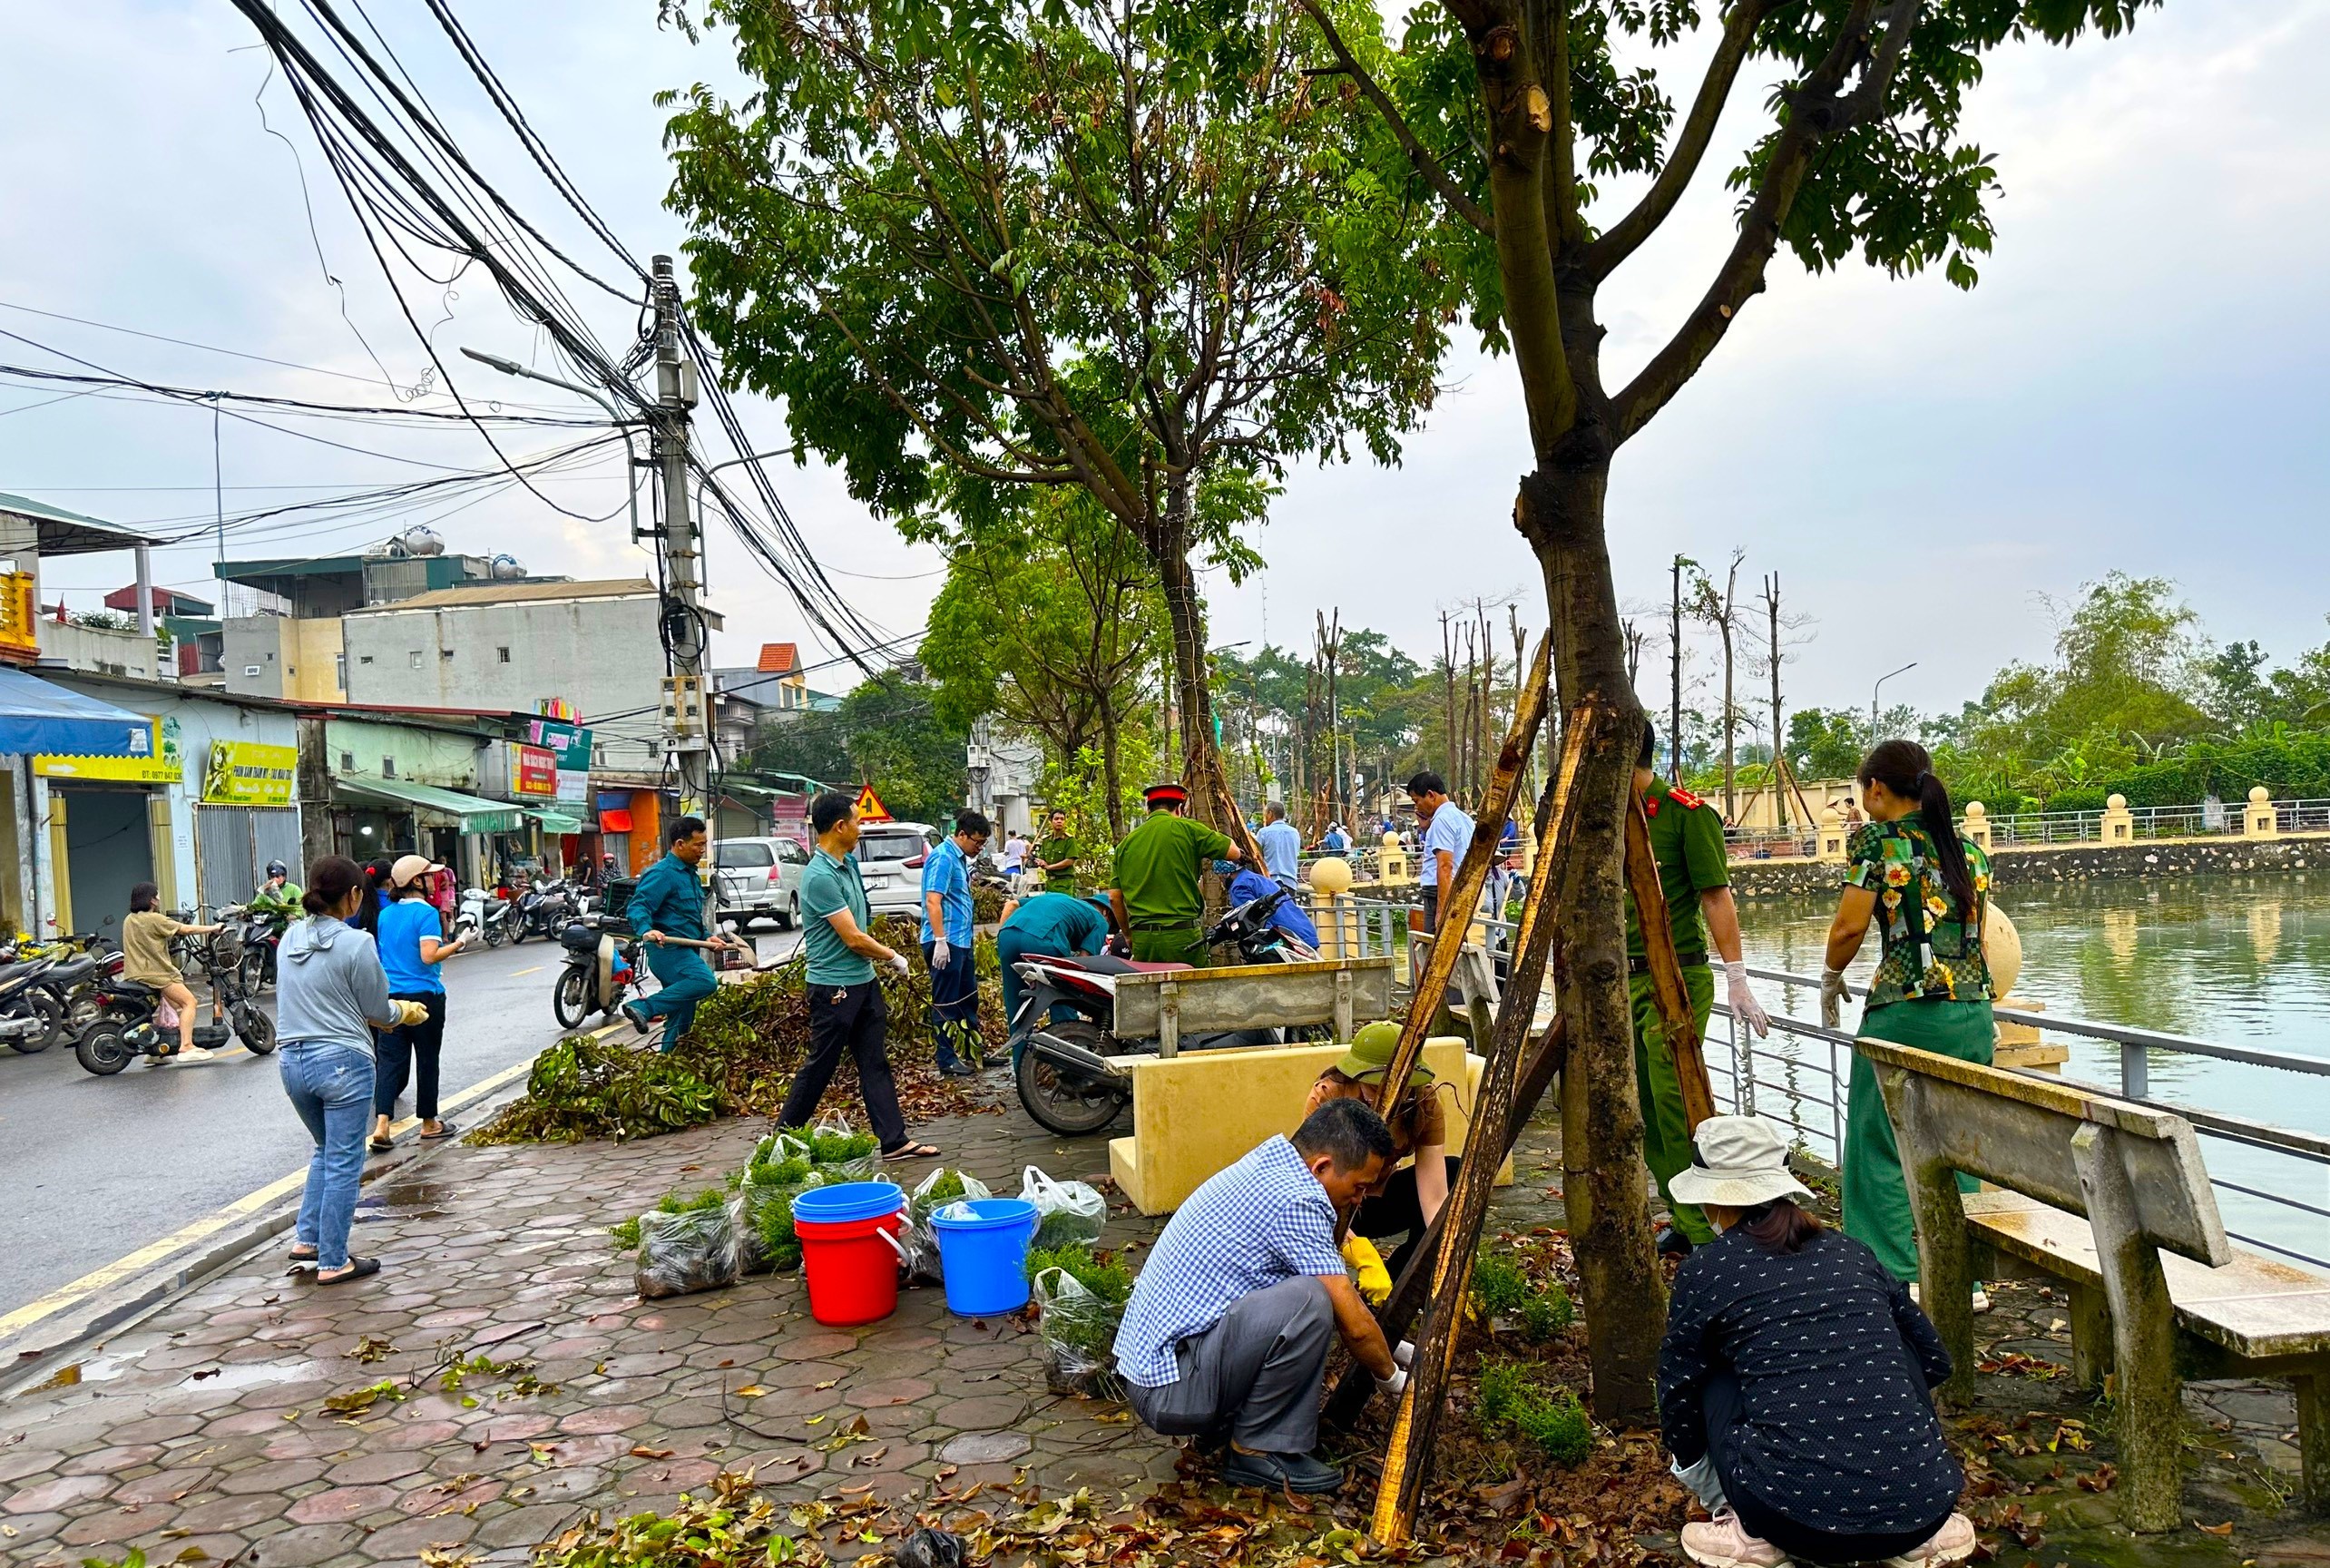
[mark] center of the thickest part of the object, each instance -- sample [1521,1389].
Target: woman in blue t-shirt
[410,933]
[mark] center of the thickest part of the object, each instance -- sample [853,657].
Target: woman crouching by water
[1794,1381]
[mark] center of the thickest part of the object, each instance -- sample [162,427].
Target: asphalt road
[96,1168]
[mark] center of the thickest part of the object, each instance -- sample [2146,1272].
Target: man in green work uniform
[1695,875]
[1057,855]
[1157,900]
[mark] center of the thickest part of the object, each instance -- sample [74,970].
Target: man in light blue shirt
[946,946]
[1446,833]
[1282,846]
[1227,1332]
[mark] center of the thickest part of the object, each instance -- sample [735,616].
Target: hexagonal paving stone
[61,1493]
[308,1544]
[374,1468]
[887,1391]
[985,1447]
[340,1503]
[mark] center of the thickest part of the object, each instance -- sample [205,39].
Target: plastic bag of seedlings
[678,1254]
[1079,1331]
[1065,1211]
[936,1191]
[843,1153]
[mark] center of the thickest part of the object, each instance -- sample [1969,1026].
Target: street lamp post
[1873,697]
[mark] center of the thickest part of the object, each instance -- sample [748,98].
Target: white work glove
[1395,1385]
[898,962]
[941,954]
[1744,1005]
[1832,998]
[1403,1353]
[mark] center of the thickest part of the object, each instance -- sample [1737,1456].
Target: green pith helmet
[1371,1053]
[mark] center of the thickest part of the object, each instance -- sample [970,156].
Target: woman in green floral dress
[1908,870]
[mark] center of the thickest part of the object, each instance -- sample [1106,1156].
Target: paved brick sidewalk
[204,1426]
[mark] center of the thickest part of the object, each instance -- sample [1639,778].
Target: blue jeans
[686,980]
[953,1002]
[330,1086]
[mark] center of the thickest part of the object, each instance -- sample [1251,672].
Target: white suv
[890,858]
[758,877]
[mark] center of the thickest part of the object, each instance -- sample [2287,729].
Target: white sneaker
[1723,1542]
[1981,1303]
[196,1053]
[1952,1543]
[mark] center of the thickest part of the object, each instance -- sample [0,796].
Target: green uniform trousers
[1181,944]
[1666,1137]
[1877,1199]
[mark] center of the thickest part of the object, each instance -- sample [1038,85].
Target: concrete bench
[2114,1200]
[1198,1113]
[1166,1005]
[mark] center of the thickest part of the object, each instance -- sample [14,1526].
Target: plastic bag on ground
[1079,1330]
[682,1253]
[934,1192]
[852,1167]
[1065,1211]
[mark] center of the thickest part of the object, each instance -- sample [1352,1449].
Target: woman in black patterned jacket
[1794,1381]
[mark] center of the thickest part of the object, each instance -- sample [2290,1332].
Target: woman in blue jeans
[331,994]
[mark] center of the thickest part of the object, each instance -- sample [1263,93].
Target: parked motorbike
[1065,1077]
[487,913]
[544,910]
[126,1028]
[603,968]
[263,938]
[69,981]
[31,1018]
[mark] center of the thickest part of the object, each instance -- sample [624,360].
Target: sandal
[912,1152]
[444,1129]
[357,1269]
[380,1145]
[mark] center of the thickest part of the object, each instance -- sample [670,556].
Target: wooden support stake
[1680,1018]
[1471,876]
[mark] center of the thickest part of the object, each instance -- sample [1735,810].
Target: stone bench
[1166,1005]
[2111,1198]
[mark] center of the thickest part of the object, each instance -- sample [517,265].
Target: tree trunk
[1112,777]
[1210,799]
[1560,512]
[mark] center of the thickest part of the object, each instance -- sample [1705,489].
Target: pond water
[2235,960]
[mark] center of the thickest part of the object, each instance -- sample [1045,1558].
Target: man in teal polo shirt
[846,1007]
[1058,924]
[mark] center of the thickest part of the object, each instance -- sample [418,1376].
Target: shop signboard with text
[249,773]
[534,771]
[155,760]
[570,743]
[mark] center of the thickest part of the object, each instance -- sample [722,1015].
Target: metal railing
[1801,1073]
[2205,819]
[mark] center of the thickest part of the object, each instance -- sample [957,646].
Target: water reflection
[2239,960]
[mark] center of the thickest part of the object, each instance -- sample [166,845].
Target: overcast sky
[2133,386]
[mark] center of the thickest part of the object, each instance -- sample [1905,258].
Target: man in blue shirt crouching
[1227,1333]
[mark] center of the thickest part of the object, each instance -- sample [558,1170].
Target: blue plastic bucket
[983,1255]
[845,1200]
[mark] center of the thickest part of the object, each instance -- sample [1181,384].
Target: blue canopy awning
[37,717]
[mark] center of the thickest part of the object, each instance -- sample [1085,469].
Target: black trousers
[1726,1422]
[1396,1211]
[409,1050]
[856,1019]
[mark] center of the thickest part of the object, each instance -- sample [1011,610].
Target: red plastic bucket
[851,1265]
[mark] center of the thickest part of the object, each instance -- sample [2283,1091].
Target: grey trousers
[1255,1375]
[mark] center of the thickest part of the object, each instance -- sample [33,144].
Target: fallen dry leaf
[750,1391]
[640,1451]
[2224,1529]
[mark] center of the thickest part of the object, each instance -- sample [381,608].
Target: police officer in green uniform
[1157,899]
[1695,875]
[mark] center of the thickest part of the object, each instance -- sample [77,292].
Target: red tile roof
[779,657]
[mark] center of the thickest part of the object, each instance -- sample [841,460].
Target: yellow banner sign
[159,765]
[249,773]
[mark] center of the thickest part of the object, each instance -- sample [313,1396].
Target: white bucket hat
[1738,1162]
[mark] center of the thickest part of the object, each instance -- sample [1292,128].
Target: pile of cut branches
[739,1059]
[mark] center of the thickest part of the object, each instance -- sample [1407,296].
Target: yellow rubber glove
[1375,1280]
[409,1014]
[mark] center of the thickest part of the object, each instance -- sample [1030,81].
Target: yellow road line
[66,1296]
[522,974]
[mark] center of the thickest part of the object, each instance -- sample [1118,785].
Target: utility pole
[687,731]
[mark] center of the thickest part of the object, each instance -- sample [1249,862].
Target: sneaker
[1982,1302]
[1953,1542]
[196,1053]
[1281,1472]
[957,1069]
[1723,1542]
[638,1016]
[1673,1243]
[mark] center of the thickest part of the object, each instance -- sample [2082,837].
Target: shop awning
[558,822]
[38,717]
[467,812]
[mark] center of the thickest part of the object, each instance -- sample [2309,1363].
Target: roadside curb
[35,1354]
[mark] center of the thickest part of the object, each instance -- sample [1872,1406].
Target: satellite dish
[507,568]
[420,541]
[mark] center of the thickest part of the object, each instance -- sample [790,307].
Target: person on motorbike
[1246,885]
[278,897]
[1157,900]
[1058,924]
[145,959]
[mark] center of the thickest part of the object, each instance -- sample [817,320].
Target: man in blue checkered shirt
[1227,1333]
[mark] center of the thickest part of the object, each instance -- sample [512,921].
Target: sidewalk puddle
[407,1200]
